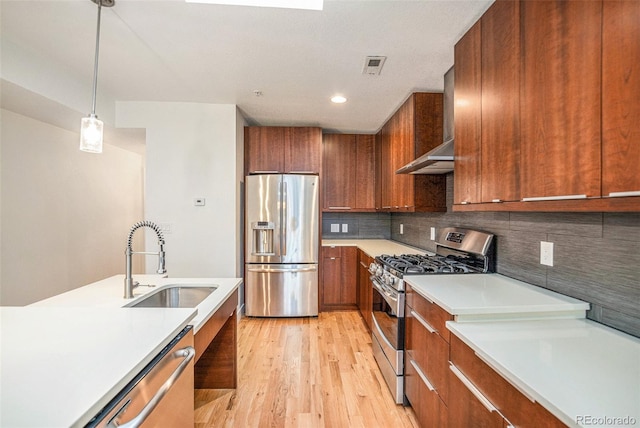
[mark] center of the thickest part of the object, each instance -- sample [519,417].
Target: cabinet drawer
[429,351]
[513,404]
[429,409]
[466,409]
[433,314]
[328,252]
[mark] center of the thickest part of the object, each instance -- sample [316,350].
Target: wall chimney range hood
[438,160]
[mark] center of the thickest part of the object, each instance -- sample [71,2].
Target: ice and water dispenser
[262,238]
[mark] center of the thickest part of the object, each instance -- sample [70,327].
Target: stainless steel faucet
[129,283]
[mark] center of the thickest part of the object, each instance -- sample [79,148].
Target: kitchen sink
[177,296]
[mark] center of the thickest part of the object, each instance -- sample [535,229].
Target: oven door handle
[381,333]
[391,300]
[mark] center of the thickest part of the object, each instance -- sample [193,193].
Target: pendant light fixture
[91,126]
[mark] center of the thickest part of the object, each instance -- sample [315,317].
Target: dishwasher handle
[187,354]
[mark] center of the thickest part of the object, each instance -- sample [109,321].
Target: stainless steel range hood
[438,160]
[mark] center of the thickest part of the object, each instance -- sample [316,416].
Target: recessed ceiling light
[287,4]
[338,99]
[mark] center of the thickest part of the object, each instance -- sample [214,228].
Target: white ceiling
[170,50]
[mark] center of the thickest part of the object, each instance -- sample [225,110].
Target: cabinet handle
[302,172]
[554,198]
[386,208]
[464,202]
[526,394]
[623,194]
[496,201]
[364,265]
[339,208]
[265,172]
[332,258]
[472,388]
[422,376]
[422,321]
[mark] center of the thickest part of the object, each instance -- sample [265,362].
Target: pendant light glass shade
[91,127]
[91,134]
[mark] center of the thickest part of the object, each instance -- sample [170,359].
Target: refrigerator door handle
[283,224]
[276,270]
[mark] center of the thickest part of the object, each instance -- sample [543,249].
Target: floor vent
[373,65]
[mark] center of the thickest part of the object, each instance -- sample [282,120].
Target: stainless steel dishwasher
[161,395]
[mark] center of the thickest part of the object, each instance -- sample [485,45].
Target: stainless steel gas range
[458,251]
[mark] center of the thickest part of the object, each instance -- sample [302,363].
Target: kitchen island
[64,358]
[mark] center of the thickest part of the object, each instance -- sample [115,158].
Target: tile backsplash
[596,255]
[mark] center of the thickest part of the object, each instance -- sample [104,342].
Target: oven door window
[388,311]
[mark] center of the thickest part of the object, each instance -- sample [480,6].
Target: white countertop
[473,297]
[109,293]
[60,366]
[374,247]
[577,369]
[64,358]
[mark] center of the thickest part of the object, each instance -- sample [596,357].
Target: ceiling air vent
[373,65]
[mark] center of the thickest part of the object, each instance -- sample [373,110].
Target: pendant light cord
[95,66]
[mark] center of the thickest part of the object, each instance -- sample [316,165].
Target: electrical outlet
[335,228]
[546,253]
[165,228]
[433,233]
[345,228]
[199,202]
[401,229]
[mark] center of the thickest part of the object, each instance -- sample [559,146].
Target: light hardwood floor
[304,372]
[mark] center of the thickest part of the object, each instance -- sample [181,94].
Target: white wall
[65,214]
[192,151]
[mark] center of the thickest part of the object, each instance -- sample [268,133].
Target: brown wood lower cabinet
[339,274]
[430,410]
[365,291]
[465,409]
[427,360]
[216,345]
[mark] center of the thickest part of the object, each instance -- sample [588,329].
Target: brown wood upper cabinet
[285,150]
[414,129]
[546,110]
[620,105]
[486,105]
[349,172]
[561,84]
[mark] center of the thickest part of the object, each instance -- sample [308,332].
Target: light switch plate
[433,233]
[335,228]
[345,228]
[546,253]
[199,202]
[401,229]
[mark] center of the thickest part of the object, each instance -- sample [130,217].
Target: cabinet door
[264,149]
[364,288]
[385,167]
[349,275]
[500,123]
[467,117]
[331,280]
[339,158]
[620,89]
[303,150]
[561,90]
[402,144]
[365,183]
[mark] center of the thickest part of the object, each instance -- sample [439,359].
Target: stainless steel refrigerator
[281,249]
